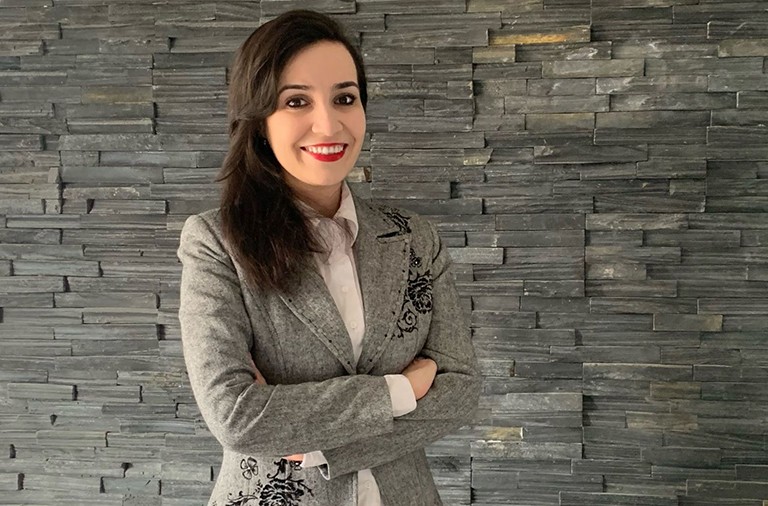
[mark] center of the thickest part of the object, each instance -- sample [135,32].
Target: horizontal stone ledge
[683,456]
[681,422]
[711,323]
[41,391]
[539,402]
[510,35]
[638,371]
[614,499]
[526,451]
[724,489]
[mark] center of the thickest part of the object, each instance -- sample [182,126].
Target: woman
[322,333]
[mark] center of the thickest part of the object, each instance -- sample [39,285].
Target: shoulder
[206,223]
[211,217]
[204,231]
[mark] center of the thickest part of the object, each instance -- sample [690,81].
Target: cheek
[358,125]
[280,131]
[269,131]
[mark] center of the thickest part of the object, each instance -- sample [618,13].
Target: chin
[324,181]
[327,177]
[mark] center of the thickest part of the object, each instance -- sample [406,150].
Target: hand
[421,373]
[261,381]
[259,377]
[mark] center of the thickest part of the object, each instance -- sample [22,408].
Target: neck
[323,199]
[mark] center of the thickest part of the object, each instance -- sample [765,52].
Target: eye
[347,99]
[292,102]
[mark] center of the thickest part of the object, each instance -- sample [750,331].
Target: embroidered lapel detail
[382,259]
[418,298]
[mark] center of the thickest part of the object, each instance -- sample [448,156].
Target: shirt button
[353,325]
[344,289]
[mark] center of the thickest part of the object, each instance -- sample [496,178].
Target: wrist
[414,387]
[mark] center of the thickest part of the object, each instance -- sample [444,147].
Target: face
[318,127]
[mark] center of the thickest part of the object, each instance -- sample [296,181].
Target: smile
[330,153]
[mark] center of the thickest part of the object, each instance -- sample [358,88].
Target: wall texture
[598,168]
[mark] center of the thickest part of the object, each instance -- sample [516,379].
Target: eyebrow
[337,86]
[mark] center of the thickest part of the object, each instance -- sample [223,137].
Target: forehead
[321,64]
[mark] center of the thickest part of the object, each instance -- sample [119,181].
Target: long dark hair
[266,231]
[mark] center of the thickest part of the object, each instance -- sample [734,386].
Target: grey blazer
[316,399]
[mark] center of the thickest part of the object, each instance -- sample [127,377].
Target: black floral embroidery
[418,297]
[402,222]
[282,489]
[414,262]
[407,322]
[420,293]
[250,468]
[241,499]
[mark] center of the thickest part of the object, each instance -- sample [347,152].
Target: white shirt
[340,276]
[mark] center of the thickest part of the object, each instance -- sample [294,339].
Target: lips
[330,157]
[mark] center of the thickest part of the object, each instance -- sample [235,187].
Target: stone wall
[598,169]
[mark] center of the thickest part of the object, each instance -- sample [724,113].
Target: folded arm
[403,402]
[451,401]
[243,415]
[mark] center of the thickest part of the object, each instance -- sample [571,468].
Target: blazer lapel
[381,256]
[313,304]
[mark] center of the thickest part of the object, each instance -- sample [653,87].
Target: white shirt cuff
[313,459]
[401,394]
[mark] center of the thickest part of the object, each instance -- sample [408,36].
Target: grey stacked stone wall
[597,168]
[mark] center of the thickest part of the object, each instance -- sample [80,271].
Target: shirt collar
[346,215]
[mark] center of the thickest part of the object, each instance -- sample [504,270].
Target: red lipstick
[330,157]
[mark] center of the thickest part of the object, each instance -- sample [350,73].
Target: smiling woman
[317,130]
[296,82]
[322,333]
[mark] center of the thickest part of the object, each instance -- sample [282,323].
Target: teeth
[326,150]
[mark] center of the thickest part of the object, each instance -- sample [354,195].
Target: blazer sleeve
[244,416]
[452,400]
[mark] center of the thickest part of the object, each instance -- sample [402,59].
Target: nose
[325,120]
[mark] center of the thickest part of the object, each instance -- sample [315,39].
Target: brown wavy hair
[264,228]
